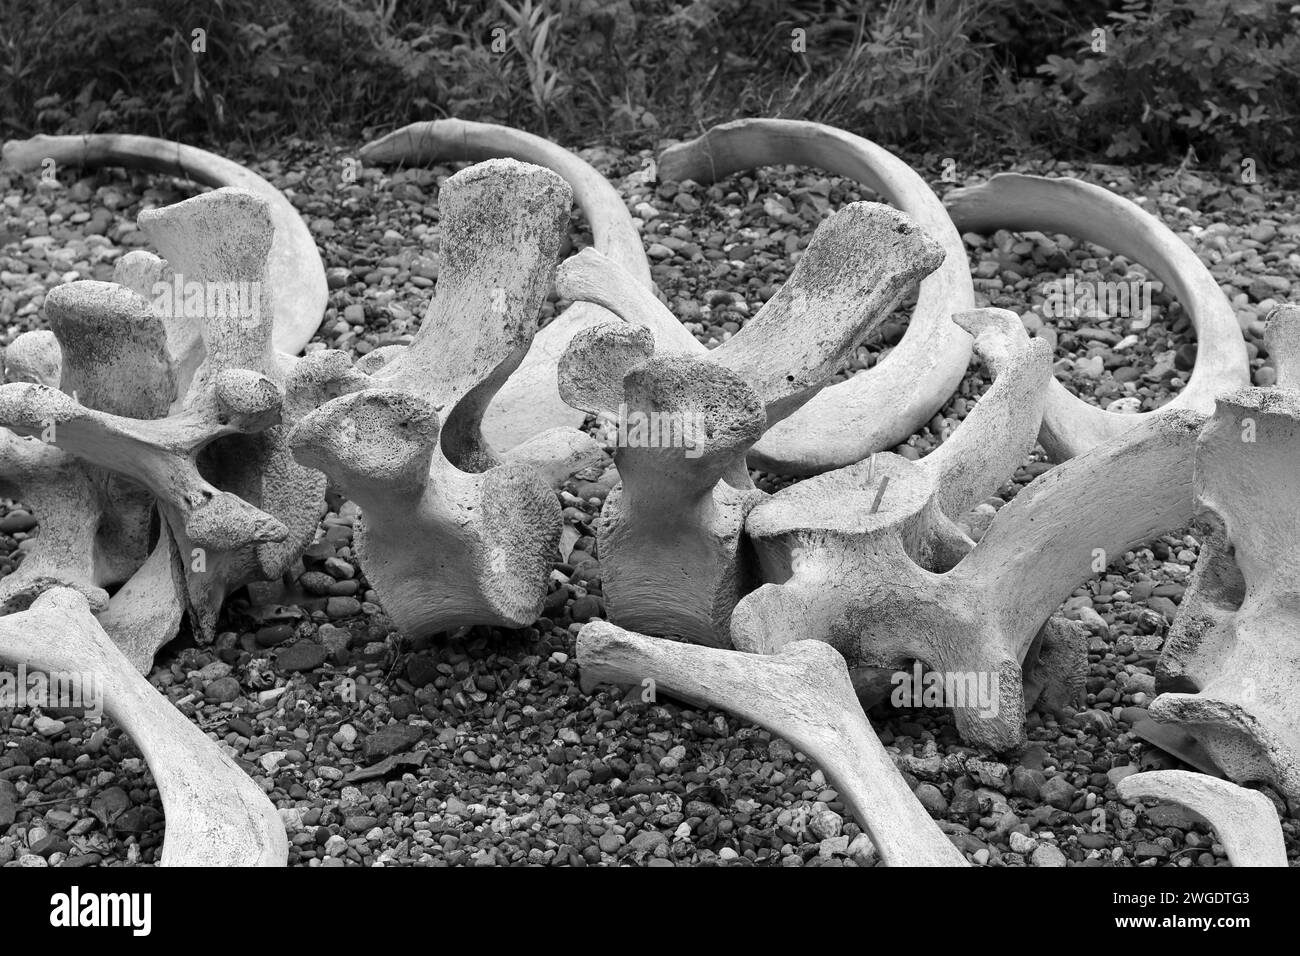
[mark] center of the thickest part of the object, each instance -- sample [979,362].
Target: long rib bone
[1017,202]
[297,276]
[240,509]
[1245,820]
[881,407]
[528,403]
[1229,665]
[672,555]
[888,587]
[803,694]
[451,535]
[216,815]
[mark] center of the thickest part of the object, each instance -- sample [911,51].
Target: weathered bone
[95,526]
[672,556]
[297,276]
[528,403]
[804,695]
[220,457]
[881,407]
[1056,667]
[1018,203]
[1245,820]
[1228,667]
[451,535]
[890,586]
[62,496]
[34,357]
[216,815]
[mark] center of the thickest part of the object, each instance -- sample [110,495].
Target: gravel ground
[479,748]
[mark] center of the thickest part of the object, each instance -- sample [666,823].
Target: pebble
[1022,844]
[274,635]
[932,799]
[48,726]
[303,656]
[825,823]
[16,522]
[1058,792]
[587,607]
[223,690]
[340,607]
[391,739]
[1048,855]
[316,582]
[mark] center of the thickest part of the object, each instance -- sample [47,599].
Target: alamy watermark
[638,429]
[1097,299]
[21,690]
[195,300]
[977,690]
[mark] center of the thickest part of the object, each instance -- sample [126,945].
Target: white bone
[451,535]
[881,407]
[260,509]
[1227,671]
[803,694]
[216,815]
[670,541]
[94,525]
[296,272]
[895,585]
[1018,202]
[1246,821]
[528,402]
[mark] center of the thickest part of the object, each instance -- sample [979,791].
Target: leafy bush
[1215,75]
[972,75]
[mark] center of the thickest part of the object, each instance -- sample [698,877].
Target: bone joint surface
[881,407]
[889,580]
[235,506]
[1227,673]
[673,557]
[452,532]
[528,403]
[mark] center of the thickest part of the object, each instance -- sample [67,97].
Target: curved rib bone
[1017,202]
[449,535]
[297,276]
[1228,668]
[670,541]
[216,815]
[890,586]
[528,402]
[1245,821]
[803,694]
[881,407]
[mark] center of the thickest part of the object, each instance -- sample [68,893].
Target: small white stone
[1024,845]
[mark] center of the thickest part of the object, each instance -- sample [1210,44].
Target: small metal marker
[884,483]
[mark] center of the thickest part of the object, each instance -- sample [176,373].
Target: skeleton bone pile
[176,448]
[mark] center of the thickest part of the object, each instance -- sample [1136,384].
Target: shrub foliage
[1140,79]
